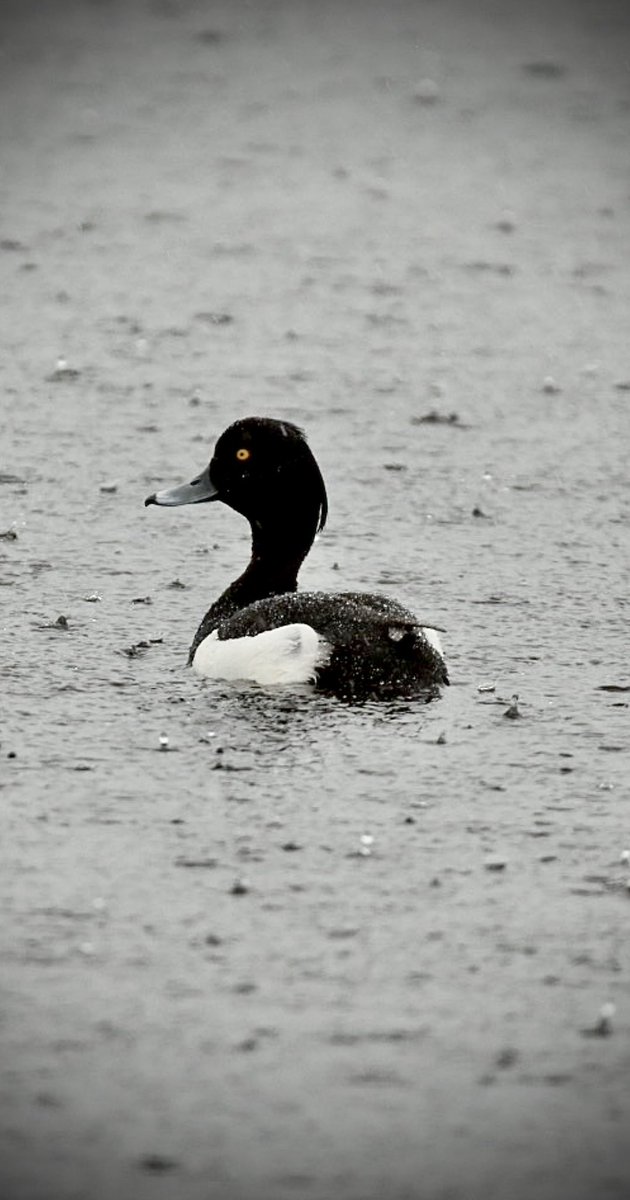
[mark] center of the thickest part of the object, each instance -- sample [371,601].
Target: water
[263,943]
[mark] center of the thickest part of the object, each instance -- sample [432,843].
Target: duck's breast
[288,654]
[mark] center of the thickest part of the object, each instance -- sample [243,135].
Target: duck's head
[265,470]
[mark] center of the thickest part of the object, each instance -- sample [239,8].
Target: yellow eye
[243,454]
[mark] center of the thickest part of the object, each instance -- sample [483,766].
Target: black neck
[264,577]
[279,547]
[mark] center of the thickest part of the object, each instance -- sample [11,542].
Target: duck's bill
[200,490]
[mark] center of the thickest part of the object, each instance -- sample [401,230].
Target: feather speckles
[361,658]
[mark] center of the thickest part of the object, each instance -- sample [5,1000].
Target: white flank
[433,638]
[290,654]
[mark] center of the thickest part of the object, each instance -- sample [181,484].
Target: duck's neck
[266,575]
[272,571]
[278,551]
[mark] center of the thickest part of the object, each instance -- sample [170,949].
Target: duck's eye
[243,454]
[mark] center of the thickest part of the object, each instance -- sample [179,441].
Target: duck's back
[349,643]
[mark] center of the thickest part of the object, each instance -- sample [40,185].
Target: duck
[261,628]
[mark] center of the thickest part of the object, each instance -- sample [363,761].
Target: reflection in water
[301,710]
[309,739]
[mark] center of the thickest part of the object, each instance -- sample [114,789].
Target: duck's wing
[390,610]
[339,615]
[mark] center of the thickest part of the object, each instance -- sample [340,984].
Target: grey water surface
[259,944]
